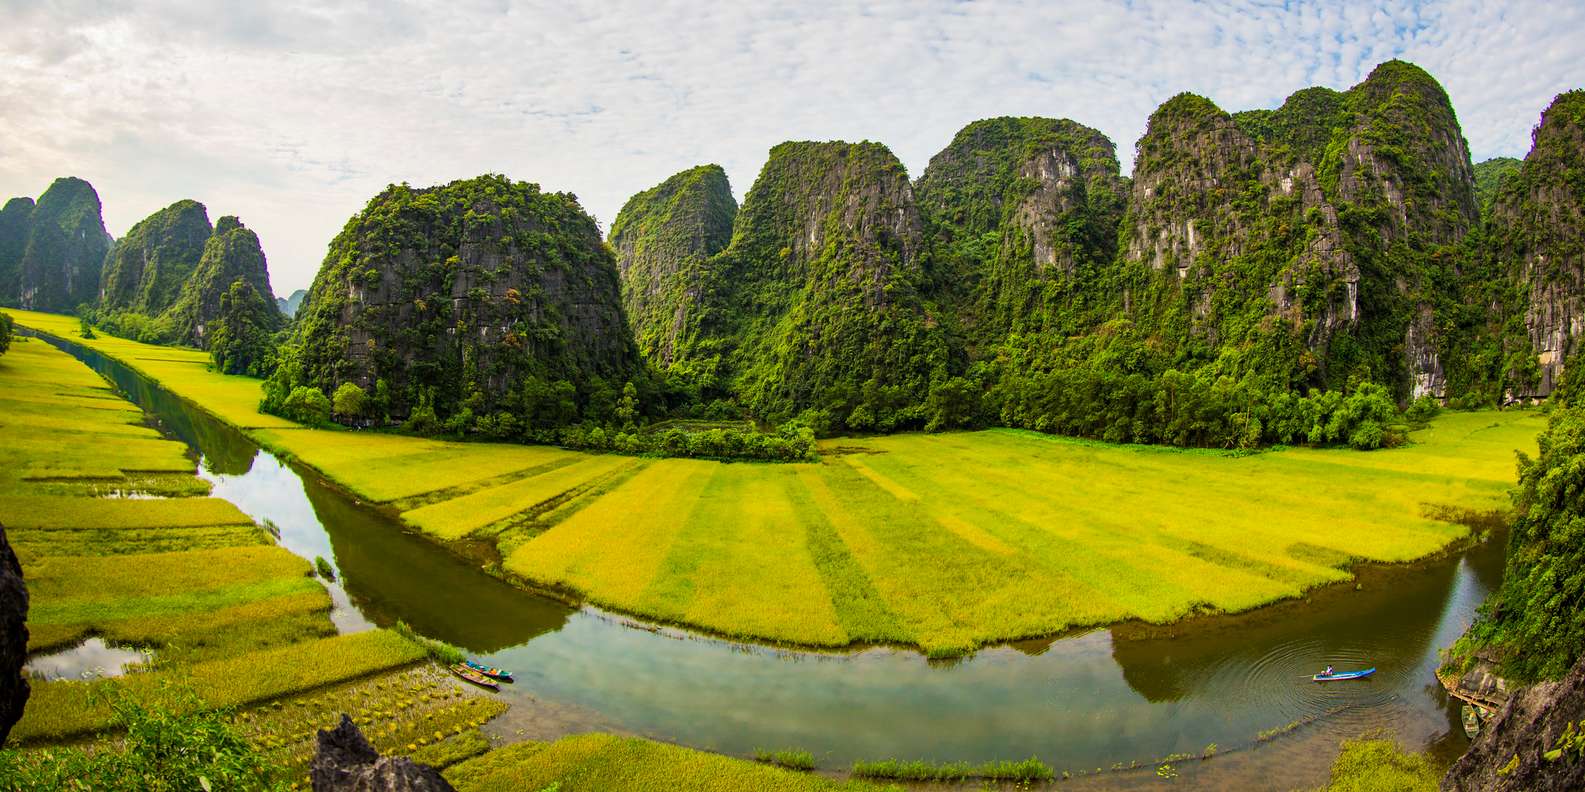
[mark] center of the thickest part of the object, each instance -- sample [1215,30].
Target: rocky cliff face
[146,269]
[662,238]
[1022,212]
[1527,746]
[344,761]
[463,294]
[65,251]
[815,303]
[230,254]
[1315,223]
[14,223]
[13,639]
[1537,236]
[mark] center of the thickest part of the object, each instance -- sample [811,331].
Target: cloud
[293,114]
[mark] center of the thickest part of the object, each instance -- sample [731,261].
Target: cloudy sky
[293,114]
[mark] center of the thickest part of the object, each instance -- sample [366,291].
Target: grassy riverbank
[944,541]
[220,609]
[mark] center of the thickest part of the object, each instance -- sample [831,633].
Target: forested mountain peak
[232,253]
[65,251]
[1021,211]
[1537,236]
[662,237]
[15,219]
[467,299]
[146,269]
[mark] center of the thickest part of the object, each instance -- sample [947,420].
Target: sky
[293,114]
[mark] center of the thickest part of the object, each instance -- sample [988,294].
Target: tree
[349,400]
[627,407]
[307,405]
[5,333]
[239,338]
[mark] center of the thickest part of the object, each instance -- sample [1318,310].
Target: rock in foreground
[345,762]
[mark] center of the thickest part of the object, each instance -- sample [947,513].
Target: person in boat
[1327,672]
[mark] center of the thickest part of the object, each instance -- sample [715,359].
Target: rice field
[945,542]
[598,762]
[417,712]
[191,578]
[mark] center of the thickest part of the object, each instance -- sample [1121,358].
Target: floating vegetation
[789,758]
[1030,769]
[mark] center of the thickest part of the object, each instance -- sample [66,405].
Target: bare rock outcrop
[345,762]
[13,638]
[1524,747]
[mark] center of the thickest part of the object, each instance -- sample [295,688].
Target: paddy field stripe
[458,517]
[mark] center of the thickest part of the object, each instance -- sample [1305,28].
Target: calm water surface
[1124,696]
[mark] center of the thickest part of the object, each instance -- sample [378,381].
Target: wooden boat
[474,677]
[1471,721]
[1338,676]
[489,671]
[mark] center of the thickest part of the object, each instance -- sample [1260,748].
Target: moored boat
[1471,721]
[1339,676]
[489,671]
[474,677]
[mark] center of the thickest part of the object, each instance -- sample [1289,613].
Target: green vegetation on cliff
[814,309]
[14,224]
[65,250]
[1536,621]
[663,237]
[482,305]
[1023,216]
[1490,176]
[146,269]
[187,311]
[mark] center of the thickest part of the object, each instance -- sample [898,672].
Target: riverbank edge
[576,599]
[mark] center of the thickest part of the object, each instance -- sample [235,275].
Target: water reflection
[91,659]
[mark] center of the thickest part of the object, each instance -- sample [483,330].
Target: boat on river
[1339,676]
[474,676]
[489,671]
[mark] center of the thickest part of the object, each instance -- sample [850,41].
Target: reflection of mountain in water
[1397,623]
[390,575]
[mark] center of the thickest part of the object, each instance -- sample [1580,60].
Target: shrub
[172,742]
[307,405]
[324,568]
[788,758]
[349,400]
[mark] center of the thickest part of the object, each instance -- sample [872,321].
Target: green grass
[48,512]
[1376,765]
[600,762]
[60,710]
[790,758]
[1029,770]
[946,542]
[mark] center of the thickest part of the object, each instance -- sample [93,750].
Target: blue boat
[489,671]
[1342,675]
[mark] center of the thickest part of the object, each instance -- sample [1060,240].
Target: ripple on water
[91,659]
[1278,680]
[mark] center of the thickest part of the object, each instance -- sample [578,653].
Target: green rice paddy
[598,762]
[945,542]
[222,610]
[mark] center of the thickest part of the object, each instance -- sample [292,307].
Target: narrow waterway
[1106,698]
